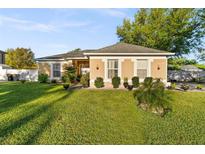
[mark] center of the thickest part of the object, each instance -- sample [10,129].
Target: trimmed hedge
[43,78]
[116,82]
[135,81]
[99,83]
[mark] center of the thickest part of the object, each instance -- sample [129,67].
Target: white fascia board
[131,54]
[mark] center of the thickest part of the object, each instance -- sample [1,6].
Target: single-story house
[121,59]
[2,57]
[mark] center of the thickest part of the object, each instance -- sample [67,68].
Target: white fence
[24,74]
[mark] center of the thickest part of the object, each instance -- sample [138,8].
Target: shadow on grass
[13,94]
[10,128]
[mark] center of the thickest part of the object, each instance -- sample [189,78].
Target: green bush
[148,80]
[172,86]
[43,78]
[69,73]
[151,96]
[99,83]
[135,81]
[199,86]
[116,82]
[65,79]
[185,86]
[200,66]
[85,80]
[66,86]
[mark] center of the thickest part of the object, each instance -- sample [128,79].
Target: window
[142,68]
[112,66]
[56,70]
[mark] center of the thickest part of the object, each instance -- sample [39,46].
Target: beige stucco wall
[94,72]
[127,69]
[44,68]
[159,73]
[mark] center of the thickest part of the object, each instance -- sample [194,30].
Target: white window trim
[105,60]
[61,70]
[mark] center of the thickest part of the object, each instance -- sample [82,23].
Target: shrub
[43,78]
[148,80]
[69,73]
[199,86]
[66,86]
[125,83]
[85,80]
[151,96]
[185,86]
[99,83]
[172,86]
[135,81]
[65,79]
[54,81]
[78,78]
[22,81]
[116,82]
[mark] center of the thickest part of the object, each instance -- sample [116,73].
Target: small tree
[69,74]
[85,80]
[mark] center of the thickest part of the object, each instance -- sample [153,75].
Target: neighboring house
[2,57]
[121,59]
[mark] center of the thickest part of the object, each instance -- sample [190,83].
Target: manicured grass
[35,113]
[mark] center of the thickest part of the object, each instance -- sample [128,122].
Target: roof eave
[129,54]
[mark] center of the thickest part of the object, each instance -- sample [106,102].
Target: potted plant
[125,84]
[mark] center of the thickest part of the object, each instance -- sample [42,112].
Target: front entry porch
[82,66]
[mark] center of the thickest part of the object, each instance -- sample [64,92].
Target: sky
[55,31]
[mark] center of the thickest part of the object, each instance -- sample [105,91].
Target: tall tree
[175,30]
[20,58]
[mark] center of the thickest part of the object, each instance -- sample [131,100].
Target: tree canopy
[176,30]
[20,58]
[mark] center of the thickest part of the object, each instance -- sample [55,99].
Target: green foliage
[151,96]
[43,78]
[177,62]
[172,86]
[66,86]
[116,82]
[200,66]
[181,61]
[148,81]
[184,86]
[176,30]
[20,58]
[85,80]
[135,81]
[69,73]
[99,83]
[199,86]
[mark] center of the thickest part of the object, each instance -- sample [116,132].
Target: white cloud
[113,13]
[28,25]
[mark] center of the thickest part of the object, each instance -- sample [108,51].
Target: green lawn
[35,113]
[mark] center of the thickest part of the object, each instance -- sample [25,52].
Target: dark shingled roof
[71,54]
[118,48]
[127,48]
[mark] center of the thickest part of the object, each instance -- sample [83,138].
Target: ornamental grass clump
[151,97]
